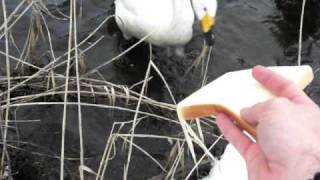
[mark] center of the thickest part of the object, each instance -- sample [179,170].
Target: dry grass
[89,83]
[301,31]
[49,83]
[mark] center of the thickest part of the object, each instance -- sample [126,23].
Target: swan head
[205,11]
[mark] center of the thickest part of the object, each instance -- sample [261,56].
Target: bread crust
[203,110]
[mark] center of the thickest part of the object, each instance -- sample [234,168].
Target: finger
[250,151]
[279,85]
[249,116]
[253,114]
[233,134]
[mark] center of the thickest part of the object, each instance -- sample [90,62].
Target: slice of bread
[235,90]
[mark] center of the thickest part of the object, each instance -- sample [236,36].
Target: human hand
[288,132]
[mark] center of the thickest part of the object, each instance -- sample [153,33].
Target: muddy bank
[247,33]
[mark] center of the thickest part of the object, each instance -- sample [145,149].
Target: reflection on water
[247,33]
[290,11]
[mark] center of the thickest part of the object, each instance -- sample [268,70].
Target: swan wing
[169,21]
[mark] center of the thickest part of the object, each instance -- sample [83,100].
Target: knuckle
[281,100]
[278,102]
[287,87]
[271,106]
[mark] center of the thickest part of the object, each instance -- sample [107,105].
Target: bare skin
[288,132]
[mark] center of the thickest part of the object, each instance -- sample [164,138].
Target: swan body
[231,166]
[169,21]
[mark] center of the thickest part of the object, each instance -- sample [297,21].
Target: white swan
[169,21]
[231,166]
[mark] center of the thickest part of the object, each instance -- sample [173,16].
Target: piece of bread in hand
[236,90]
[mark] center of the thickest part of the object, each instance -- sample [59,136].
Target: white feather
[201,7]
[231,166]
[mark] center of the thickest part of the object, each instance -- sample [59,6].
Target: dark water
[248,32]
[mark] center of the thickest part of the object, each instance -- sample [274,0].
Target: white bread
[235,90]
